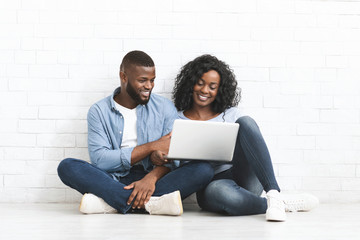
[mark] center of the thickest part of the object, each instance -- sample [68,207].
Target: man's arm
[105,157]
[142,151]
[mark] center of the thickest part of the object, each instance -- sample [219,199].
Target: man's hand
[157,158]
[143,190]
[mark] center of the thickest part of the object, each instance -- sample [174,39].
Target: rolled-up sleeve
[101,150]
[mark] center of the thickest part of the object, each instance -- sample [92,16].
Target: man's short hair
[137,58]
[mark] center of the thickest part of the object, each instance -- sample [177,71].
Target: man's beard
[136,96]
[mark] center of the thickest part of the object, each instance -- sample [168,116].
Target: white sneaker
[167,204]
[300,202]
[91,204]
[276,207]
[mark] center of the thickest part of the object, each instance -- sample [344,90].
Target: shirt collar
[112,101]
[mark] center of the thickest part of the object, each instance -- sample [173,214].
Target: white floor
[63,221]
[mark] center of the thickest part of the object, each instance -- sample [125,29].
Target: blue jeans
[87,178]
[237,190]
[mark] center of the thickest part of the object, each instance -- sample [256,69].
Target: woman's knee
[226,196]
[206,197]
[248,126]
[246,122]
[220,196]
[221,187]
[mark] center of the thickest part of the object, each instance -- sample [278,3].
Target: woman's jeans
[237,190]
[87,178]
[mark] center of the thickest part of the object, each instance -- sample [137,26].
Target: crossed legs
[87,178]
[237,191]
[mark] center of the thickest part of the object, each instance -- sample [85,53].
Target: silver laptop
[203,140]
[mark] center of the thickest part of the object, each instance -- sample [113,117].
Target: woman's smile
[203,98]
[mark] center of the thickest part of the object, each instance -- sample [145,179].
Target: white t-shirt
[129,136]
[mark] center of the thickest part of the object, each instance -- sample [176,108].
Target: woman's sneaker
[303,202]
[276,207]
[167,204]
[91,204]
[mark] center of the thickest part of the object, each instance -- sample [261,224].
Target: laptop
[202,140]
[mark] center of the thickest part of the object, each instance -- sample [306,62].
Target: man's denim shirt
[106,126]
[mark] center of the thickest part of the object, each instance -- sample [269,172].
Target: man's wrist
[150,147]
[157,173]
[151,178]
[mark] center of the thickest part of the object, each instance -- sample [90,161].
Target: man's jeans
[237,190]
[87,178]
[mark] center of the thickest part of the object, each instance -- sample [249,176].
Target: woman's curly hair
[228,94]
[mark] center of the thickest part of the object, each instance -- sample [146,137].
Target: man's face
[140,82]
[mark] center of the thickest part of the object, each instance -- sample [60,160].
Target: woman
[206,89]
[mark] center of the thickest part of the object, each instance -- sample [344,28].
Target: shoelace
[293,205]
[277,203]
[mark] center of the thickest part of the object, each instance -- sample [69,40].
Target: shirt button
[120,132]
[120,116]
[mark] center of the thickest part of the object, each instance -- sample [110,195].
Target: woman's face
[206,88]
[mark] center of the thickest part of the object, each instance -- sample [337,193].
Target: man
[127,134]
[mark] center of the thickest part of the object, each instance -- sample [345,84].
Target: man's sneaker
[167,204]
[300,202]
[276,207]
[91,204]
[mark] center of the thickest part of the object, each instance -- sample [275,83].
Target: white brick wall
[297,62]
